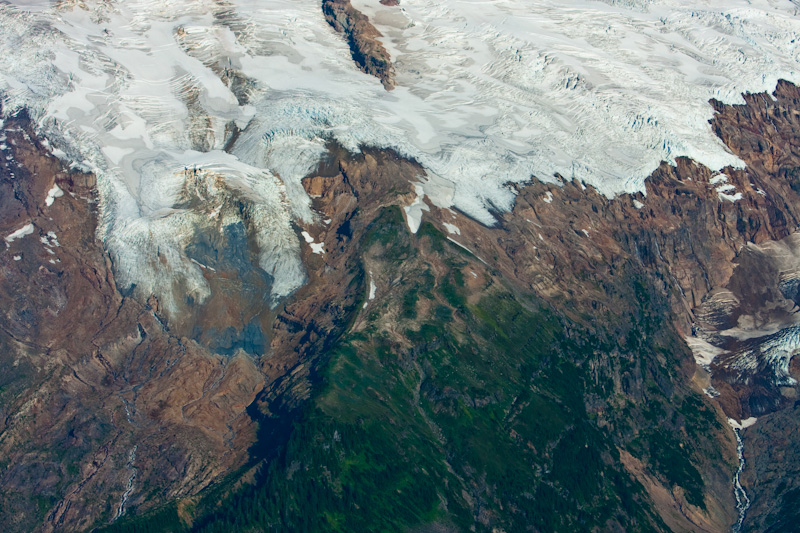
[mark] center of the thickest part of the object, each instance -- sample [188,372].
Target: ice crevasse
[487,93]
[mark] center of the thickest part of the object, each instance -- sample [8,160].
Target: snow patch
[201,265]
[746,423]
[317,248]
[724,188]
[459,244]
[467,249]
[452,228]
[52,194]
[372,287]
[637,204]
[730,197]
[51,239]
[414,211]
[27,229]
[704,352]
[548,197]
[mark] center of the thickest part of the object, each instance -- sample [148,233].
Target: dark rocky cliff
[362,38]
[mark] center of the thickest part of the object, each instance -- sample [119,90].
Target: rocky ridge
[362,37]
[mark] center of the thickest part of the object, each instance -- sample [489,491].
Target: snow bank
[27,229]
[316,247]
[52,194]
[746,423]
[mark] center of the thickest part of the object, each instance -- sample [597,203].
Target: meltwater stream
[742,501]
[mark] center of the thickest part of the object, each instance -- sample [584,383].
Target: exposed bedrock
[362,37]
[350,200]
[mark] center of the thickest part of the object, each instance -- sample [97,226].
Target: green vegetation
[473,413]
[674,463]
[164,520]
[789,514]
[472,403]
[373,454]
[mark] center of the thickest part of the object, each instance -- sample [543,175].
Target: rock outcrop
[362,37]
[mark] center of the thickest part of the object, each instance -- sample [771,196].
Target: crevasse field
[488,92]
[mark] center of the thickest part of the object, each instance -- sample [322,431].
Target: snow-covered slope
[488,92]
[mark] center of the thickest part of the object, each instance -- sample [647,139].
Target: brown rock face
[719,249]
[350,191]
[103,407]
[362,37]
[772,472]
[110,405]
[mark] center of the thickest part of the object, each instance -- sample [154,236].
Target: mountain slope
[466,388]
[530,375]
[104,407]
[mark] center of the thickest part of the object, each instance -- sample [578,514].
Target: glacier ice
[488,93]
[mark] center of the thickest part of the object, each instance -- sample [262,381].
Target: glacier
[487,93]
